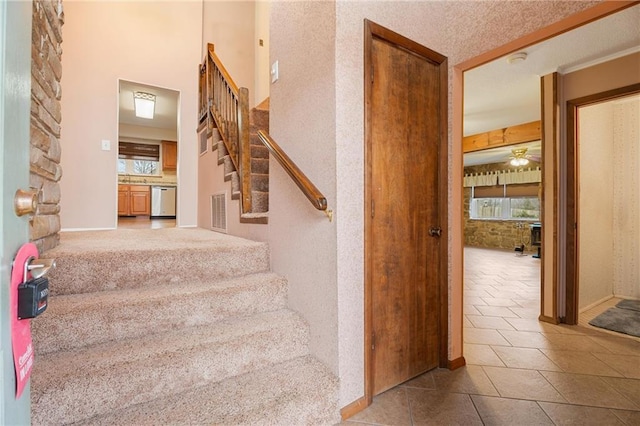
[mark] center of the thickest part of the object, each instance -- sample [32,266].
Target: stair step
[228,166]
[259,151]
[260,182]
[135,258]
[79,320]
[296,392]
[260,201]
[259,119]
[260,165]
[70,386]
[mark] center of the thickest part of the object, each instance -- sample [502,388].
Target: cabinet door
[169,155]
[139,203]
[123,200]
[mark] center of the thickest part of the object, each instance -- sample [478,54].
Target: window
[138,158]
[138,167]
[515,208]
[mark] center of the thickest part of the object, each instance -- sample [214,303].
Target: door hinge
[371,74]
[373,208]
[373,341]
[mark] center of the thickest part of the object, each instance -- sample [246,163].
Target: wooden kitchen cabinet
[134,200]
[123,200]
[169,155]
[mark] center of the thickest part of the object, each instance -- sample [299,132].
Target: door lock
[435,231]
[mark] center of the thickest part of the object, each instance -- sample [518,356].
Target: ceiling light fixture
[519,157]
[144,104]
[517,57]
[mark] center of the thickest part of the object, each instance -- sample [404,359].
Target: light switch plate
[274,72]
[106,145]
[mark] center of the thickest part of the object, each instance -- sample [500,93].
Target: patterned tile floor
[519,371]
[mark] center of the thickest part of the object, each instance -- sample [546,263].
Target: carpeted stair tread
[131,258]
[69,386]
[296,392]
[78,320]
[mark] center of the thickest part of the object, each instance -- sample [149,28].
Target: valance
[504,177]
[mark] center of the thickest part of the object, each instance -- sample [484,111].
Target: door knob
[435,231]
[25,202]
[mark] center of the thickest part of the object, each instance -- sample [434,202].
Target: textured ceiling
[166,111]
[500,94]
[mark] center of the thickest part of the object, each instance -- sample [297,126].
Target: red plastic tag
[21,329]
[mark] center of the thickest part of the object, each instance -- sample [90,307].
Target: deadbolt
[25,202]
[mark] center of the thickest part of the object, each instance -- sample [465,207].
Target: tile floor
[519,371]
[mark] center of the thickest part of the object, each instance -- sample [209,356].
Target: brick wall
[46,118]
[497,234]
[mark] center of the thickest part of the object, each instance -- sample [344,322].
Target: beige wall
[263,67]
[317,116]
[156,43]
[302,121]
[609,208]
[595,206]
[230,26]
[626,197]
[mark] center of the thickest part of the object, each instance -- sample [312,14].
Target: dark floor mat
[633,305]
[626,320]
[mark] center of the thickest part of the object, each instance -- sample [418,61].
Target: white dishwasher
[163,201]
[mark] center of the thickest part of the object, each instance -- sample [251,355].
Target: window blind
[138,151]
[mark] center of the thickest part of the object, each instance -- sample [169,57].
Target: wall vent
[219,212]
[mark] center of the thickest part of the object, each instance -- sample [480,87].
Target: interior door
[15,101]
[404,221]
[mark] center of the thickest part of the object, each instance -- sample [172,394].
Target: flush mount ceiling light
[519,157]
[517,57]
[144,104]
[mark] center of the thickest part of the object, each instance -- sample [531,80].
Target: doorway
[594,14]
[147,155]
[603,205]
[405,203]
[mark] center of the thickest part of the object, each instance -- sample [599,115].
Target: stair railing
[312,193]
[229,107]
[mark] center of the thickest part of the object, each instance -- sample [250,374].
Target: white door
[15,100]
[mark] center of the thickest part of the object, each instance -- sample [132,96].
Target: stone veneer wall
[497,234]
[46,118]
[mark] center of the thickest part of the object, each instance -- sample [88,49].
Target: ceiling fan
[520,157]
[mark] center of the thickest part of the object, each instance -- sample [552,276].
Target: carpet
[622,318]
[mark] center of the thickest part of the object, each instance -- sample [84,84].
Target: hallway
[519,371]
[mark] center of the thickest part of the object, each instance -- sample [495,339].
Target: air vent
[219,212]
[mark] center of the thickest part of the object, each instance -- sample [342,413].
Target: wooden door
[404,192]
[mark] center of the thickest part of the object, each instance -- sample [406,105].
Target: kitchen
[147,155]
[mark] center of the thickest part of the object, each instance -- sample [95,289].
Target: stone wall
[46,118]
[498,234]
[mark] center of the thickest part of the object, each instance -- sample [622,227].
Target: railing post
[244,142]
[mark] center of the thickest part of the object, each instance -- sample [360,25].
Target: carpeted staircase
[173,326]
[259,120]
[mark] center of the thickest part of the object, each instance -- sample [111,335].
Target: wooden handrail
[306,186]
[220,66]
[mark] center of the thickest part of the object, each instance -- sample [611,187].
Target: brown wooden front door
[405,120]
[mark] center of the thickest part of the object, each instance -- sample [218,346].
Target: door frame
[573,193]
[371,31]
[456,208]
